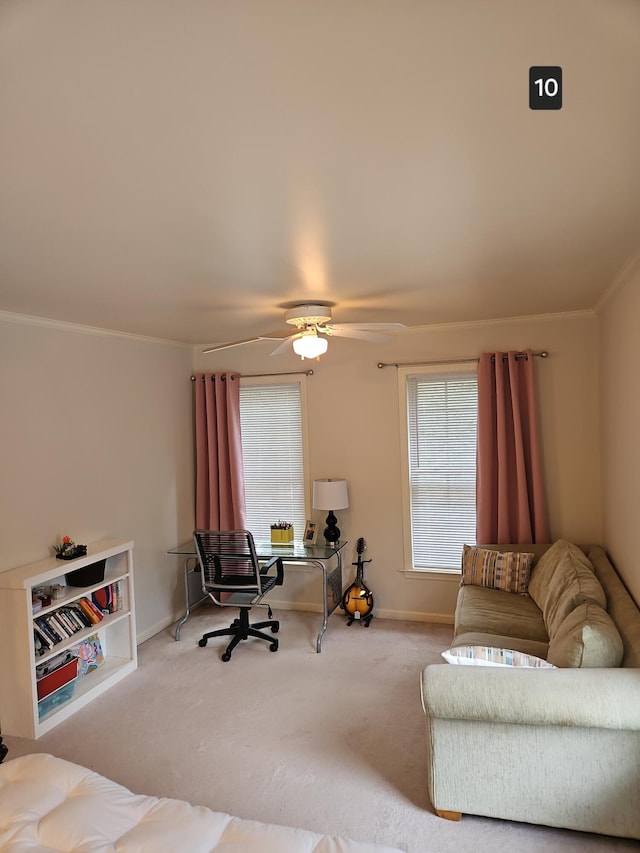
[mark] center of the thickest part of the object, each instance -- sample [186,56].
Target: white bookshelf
[19,713]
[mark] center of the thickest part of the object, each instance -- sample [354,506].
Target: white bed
[48,804]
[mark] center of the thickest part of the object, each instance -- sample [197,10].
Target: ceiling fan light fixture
[308,315]
[310,346]
[309,319]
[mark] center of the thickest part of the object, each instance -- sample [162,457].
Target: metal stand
[189,603]
[331,592]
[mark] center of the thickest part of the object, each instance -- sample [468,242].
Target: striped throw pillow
[507,570]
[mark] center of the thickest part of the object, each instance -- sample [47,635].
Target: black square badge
[545,87]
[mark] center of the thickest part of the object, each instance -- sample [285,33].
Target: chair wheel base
[241,629]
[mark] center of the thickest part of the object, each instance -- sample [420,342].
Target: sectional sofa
[555,746]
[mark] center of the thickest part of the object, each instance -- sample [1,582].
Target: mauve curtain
[510,500]
[220,500]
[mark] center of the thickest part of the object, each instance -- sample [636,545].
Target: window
[441,431]
[271,420]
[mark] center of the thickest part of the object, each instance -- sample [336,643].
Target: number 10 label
[545,87]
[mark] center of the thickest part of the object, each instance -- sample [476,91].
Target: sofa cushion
[493,611]
[587,638]
[562,579]
[620,606]
[507,570]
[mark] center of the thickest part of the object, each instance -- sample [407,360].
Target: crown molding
[497,321]
[64,325]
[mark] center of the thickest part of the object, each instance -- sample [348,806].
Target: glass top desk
[318,556]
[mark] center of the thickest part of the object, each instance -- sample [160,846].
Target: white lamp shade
[330,494]
[310,346]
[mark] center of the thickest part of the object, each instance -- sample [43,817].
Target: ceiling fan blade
[358,334]
[285,345]
[228,346]
[275,336]
[371,327]
[268,336]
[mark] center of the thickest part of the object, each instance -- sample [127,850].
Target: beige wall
[619,318]
[96,443]
[354,433]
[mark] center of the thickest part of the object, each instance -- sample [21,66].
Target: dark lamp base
[331,531]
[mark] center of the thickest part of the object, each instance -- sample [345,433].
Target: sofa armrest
[588,698]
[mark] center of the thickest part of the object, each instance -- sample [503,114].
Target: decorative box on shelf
[56,699]
[58,677]
[88,575]
[281,533]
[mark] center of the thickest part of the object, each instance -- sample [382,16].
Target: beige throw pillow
[506,570]
[562,579]
[587,638]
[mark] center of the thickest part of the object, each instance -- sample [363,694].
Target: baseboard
[155,629]
[302,606]
[415,616]
[406,615]
[314,607]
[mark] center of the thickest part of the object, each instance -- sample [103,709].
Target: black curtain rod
[381,364]
[259,375]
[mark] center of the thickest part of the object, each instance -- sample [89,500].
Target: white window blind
[442,430]
[273,456]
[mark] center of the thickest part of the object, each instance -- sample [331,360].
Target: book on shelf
[74,618]
[96,610]
[103,599]
[90,610]
[49,629]
[79,613]
[61,624]
[38,646]
[68,624]
[45,643]
[56,622]
[43,628]
[117,596]
[89,654]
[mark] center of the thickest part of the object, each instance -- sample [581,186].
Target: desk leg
[189,605]
[331,593]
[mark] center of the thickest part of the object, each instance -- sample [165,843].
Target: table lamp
[330,494]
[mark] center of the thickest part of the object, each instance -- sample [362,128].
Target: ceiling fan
[314,326]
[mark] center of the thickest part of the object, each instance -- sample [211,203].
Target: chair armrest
[277,562]
[589,698]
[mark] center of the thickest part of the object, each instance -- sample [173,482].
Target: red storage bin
[58,678]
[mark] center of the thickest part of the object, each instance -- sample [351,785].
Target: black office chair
[233,577]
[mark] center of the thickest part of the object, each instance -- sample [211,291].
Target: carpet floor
[331,742]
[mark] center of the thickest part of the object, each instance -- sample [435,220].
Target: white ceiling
[184,168]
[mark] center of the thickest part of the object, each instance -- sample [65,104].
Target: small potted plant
[68,550]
